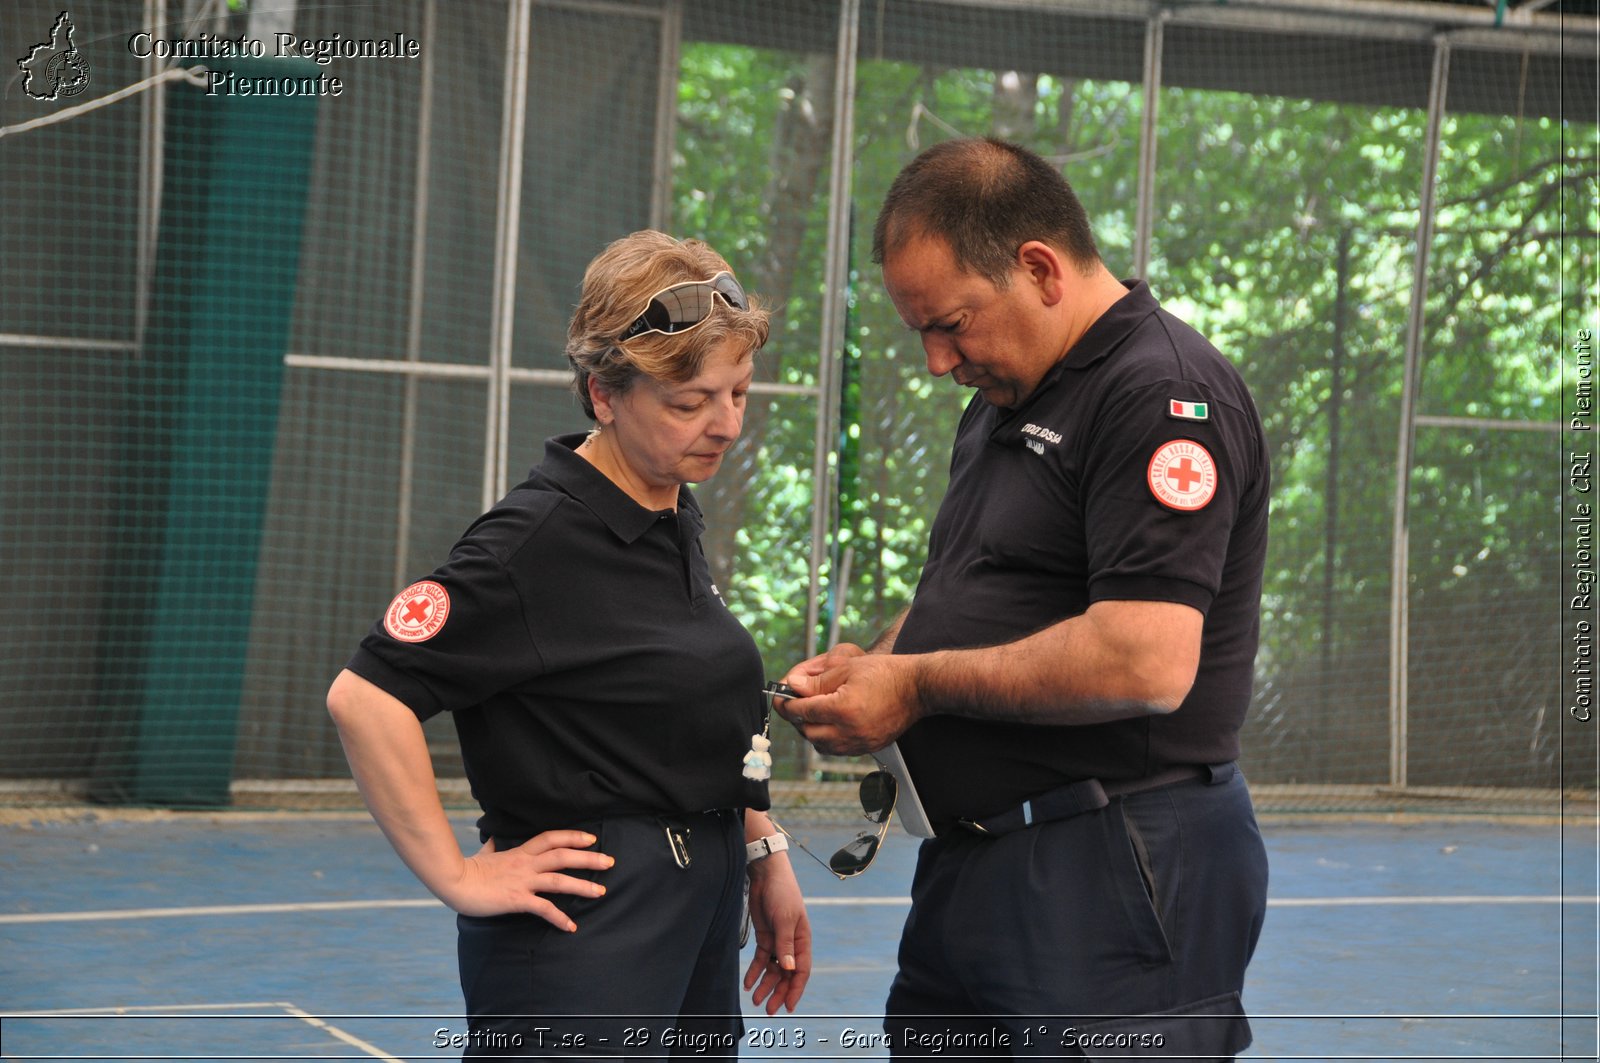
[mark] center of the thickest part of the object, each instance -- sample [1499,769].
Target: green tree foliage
[1285,230]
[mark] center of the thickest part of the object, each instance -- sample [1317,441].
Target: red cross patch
[1183,476]
[418,612]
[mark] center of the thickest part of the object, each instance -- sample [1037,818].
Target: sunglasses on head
[682,307]
[877,793]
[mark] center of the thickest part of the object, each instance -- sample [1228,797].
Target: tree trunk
[802,137]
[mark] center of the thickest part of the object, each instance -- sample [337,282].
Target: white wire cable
[194,75]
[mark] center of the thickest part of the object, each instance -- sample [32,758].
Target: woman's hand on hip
[516,880]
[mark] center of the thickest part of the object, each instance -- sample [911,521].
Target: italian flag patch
[1186,411]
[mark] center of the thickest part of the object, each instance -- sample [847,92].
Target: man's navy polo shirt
[590,664]
[1137,470]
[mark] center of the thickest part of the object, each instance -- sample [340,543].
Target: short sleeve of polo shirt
[1162,495]
[481,647]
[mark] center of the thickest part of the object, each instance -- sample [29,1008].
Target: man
[1068,684]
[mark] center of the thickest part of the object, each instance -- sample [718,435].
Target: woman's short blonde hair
[616,288]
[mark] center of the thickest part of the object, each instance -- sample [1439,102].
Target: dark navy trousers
[1118,933]
[652,970]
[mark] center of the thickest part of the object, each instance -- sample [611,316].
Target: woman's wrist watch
[762,848]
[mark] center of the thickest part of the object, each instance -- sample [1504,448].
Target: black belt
[503,842]
[1089,795]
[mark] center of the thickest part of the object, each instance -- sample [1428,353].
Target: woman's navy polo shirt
[589,662]
[1137,470]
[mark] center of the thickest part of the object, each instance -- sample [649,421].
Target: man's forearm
[1119,662]
[884,643]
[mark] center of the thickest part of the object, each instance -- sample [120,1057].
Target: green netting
[262,358]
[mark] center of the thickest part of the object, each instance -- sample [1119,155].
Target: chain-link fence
[266,351]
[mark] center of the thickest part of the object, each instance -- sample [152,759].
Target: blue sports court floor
[302,937]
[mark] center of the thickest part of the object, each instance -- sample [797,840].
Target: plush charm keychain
[758,762]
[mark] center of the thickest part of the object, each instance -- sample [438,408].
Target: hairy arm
[1118,660]
[884,643]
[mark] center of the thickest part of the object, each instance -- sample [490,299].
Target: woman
[605,698]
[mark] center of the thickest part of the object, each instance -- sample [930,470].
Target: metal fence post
[836,280]
[1399,600]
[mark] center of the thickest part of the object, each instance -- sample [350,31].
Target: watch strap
[762,848]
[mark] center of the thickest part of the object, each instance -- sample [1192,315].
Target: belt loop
[1221,773]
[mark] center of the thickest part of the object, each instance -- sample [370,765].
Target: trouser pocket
[1205,1030]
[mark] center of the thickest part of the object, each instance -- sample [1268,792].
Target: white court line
[814,902]
[129,1009]
[1354,902]
[178,1011]
[349,1039]
[217,909]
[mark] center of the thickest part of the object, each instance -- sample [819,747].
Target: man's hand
[805,676]
[1118,660]
[852,701]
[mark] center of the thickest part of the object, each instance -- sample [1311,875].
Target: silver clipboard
[907,804]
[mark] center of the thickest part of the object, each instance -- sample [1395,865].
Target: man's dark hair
[986,198]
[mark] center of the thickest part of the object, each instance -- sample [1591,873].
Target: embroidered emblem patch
[1187,411]
[418,612]
[1183,476]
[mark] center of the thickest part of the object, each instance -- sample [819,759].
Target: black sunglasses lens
[655,316]
[682,307]
[730,290]
[878,790]
[855,857]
